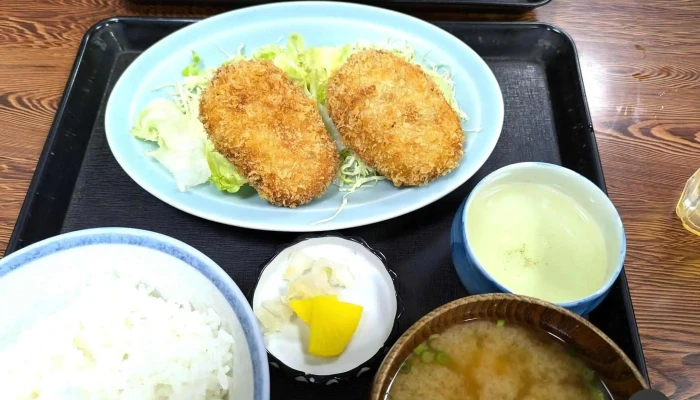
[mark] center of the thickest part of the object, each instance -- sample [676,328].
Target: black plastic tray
[507,6]
[78,183]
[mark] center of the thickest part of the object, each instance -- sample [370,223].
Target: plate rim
[267,225]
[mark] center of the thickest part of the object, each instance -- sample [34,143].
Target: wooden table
[641,65]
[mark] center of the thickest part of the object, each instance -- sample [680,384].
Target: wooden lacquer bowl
[597,350]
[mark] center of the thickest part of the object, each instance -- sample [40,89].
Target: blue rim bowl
[44,257]
[474,276]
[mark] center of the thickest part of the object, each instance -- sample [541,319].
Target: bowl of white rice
[117,313]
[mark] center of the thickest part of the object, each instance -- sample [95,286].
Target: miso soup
[485,360]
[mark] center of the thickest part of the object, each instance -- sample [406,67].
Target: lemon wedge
[303,308]
[333,323]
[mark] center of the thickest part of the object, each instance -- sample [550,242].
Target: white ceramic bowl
[40,279]
[589,196]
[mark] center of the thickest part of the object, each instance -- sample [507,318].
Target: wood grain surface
[641,66]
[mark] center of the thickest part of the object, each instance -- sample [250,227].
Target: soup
[538,241]
[483,360]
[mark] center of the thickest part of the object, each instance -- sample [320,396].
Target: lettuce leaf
[155,113]
[224,174]
[320,62]
[184,149]
[181,150]
[286,58]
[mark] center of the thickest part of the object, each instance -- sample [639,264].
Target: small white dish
[374,288]
[41,279]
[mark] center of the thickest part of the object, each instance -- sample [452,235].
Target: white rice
[118,340]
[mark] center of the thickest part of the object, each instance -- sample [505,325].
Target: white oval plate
[320,23]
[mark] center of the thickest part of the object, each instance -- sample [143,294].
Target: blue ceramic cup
[478,281]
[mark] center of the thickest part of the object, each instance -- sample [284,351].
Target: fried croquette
[270,130]
[395,118]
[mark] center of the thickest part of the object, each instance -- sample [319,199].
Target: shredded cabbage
[353,174]
[189,155]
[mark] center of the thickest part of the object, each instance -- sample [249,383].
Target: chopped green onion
[431,341]
[405,368]
[500,322]
[596,393]
[443,358]
[427,356]
[420,349]
[588,375]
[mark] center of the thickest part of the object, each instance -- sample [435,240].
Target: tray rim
[25,210]
[509,6]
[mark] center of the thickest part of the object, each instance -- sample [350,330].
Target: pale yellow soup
[480,360]
[537,241]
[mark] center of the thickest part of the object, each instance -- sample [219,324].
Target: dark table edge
[24,213]
[465,5]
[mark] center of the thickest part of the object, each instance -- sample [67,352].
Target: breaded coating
[270,130]
[394,117]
